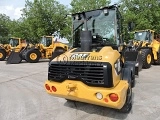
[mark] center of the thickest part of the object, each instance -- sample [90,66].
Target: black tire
[28,54]
[68,100]
[2,55]
[133,82]
[128,103]
[146,61]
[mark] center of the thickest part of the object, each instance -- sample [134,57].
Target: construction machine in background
[48,48]
[15,46]
[93,71]
[147,42]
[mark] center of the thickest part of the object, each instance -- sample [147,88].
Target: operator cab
[14,42]
[104,25]
[144,35]
[46,41]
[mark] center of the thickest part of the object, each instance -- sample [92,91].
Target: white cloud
[12,12]
[18,12]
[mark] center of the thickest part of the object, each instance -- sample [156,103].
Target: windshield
[99,24]
[13,42]
[46,41]
[143,35]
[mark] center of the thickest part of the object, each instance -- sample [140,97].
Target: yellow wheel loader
[147,43]
[93,72]
[12,50]
[48,48]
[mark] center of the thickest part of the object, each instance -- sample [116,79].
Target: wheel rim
[33,56]
[148,58]
[1,55]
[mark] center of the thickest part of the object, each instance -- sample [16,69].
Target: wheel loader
[15,45]
[48,48]
[93,71]
[147,42]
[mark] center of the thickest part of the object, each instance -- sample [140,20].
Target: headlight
[117,66]
[99,96]
[137,64]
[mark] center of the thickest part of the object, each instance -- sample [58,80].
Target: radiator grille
[91,74]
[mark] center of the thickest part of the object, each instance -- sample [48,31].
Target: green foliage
[44,17]
[144,13]
[85,5]
[4,27]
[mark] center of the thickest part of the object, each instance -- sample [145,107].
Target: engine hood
[106,54]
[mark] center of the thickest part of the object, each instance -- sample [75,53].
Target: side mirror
[131,26]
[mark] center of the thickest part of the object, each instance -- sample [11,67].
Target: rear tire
[32,56]
[128,104]
[133,82]
[2,55]
[146,58]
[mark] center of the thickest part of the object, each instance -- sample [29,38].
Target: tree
[85,5]
[44,17]
[144,13]
[4,27]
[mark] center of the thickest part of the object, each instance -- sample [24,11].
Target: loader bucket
[134,57]
[14,58]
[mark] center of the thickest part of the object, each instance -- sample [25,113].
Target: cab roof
[144,30]
[108,7]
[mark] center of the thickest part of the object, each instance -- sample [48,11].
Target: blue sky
[12,7]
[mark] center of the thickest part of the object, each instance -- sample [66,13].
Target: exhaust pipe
[86,41]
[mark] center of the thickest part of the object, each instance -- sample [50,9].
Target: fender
[131,66]
[126,75]
[129,72]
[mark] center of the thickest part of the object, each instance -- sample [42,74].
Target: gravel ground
[22,97]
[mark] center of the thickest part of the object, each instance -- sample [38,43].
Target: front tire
[2,55]
[32,56]
[146,58]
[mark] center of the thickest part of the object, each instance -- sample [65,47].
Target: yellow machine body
[78,91]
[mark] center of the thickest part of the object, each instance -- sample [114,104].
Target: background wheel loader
[93,71]
[146,41]
[12,50]
[48,48]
